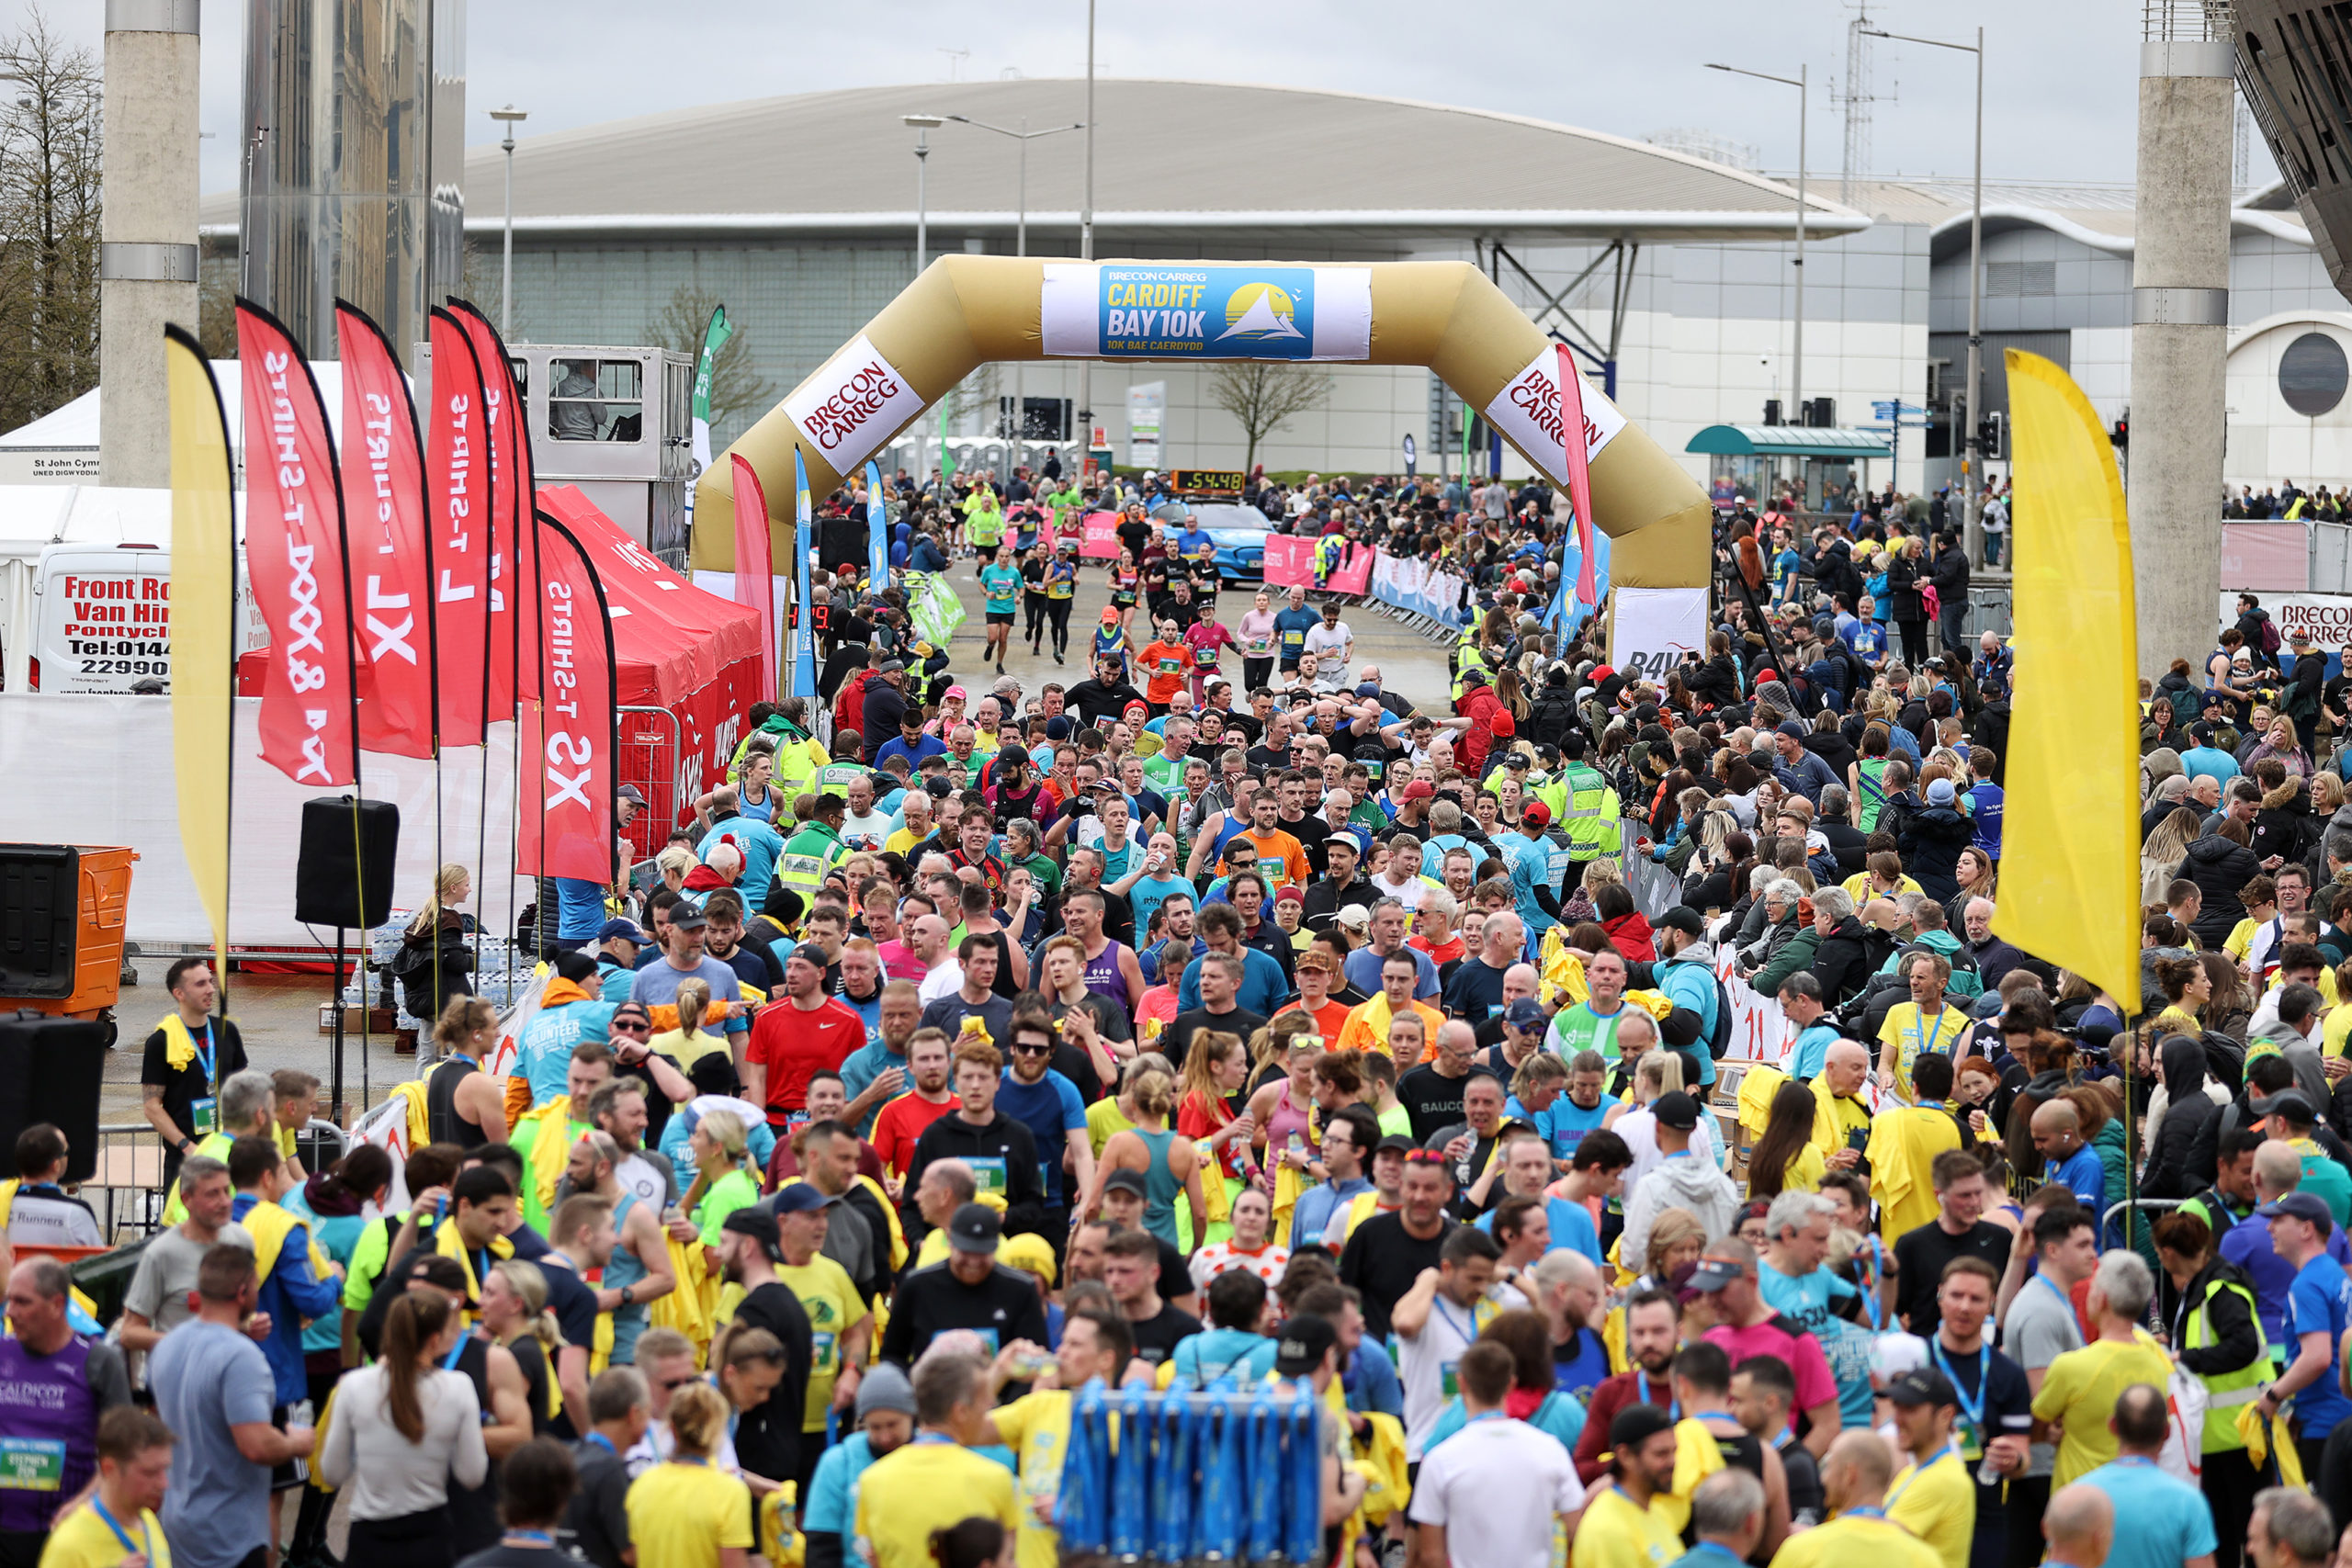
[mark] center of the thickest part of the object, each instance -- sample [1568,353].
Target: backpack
[2269,635]
[1719,1037]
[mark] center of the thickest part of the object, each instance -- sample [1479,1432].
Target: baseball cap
[759,1224]
[1109,614]
[811,953]
[1636,1424]
[1525,1013]
[1126,1181]
[1922,1385]
[1711,1274]
[1397,1144]
[1676,1110]
[1313,957]
[1356,917]
[1681,918]
[631,794]
[953,692]
[1368,689]
[1537,814]
[1419,789]
[625,930]
[1306,1340]
[2286,1103]
[2301,1206]
[445,1274]
[798,1198]
[974,1228]
[687,917]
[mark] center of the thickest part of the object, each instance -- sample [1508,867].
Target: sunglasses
[1032,1048]
[672,1386]
[619,1027]
[1425,1156]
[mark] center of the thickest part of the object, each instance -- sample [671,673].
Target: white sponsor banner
[1146,407]
[1527,411]
[1407,583]
[1163,311]
[1650,629]
[856,403]
[2326,618]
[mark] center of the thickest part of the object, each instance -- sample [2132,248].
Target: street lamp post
[1796,333]
[1020,238]
[508,116]
[1086,253]
[925,124]
[1973,466]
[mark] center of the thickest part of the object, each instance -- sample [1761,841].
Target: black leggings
[1057,612]
[1915,642]
[1034,627]
[1257,672]
[412,1540]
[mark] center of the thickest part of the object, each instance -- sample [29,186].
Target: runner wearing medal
[1933,1496]
[1994,1402]
[118,1528]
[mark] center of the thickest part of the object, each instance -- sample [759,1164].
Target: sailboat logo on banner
[1260,311]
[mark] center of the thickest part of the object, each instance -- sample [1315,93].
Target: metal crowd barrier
[125,1191]
[1223,1476]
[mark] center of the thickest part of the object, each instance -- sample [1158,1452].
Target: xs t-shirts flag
[391,549]
[755,567]
[459,492]
[502,417]
[564,823]
[294,555]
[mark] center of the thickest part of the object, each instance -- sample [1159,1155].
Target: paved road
[1409,664]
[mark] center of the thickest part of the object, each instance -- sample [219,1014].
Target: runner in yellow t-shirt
[1620,1528]
[118,1521]
[935,1481]
[840,1325]
[1037,1426]
[1933,1495]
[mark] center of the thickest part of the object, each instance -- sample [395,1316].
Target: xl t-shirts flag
[502,417]
[204,582]
[713,338]
[564,823]
[294,555]
[391,549]
[2070,840]
[755,567]
[458,490]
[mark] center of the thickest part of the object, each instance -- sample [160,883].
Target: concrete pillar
[147,250]
[2180,312]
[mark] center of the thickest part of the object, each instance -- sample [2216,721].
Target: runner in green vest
[1585,808]
[813,850]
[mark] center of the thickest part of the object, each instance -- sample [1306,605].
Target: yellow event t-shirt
[833,1306]
[1849,1540]
[1613,1533]
[2081,1388]
[1036,1427]
[82,1539]
[683,1516]
[927,1485]
[1938,1505]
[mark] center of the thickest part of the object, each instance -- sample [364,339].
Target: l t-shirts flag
[804,535]
[391,549]
[204,573]
[564,823]
[1576,454]
[878,532]
[457,488]
[502,417]
[294,554]
[755,567]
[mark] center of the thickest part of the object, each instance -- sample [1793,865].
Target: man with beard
[1566,1288]
[638,1271]
[1109,969]
[617,1108]
[1102,700]
[1653,1331]
[1476,991]
[977,998]
[749,1245]
[1343,885]
[1386,1254]
[903,1119]
[1179,918]
[839,1323]
[1049,1105]
[877,1074]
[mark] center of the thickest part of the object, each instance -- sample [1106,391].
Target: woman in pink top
[1257,643]
[1205,637]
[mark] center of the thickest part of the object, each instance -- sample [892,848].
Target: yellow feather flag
[204,586]
[2070,850]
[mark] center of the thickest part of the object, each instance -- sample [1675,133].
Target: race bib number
[821,1345]
[1274,868]
[204,1116]
[988,1173]
[32,1464]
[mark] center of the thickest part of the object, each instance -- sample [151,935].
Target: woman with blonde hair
[1677,1237]
[690,1042]
[2160,855]
[700,1514]
[1167,1164]
[402,1430]
[464,1105]
[434,959]
[721,1185]
[514,1313]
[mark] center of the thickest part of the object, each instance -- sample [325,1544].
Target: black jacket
[1551,717]
[414,965]
[1949,575]
[2185,1135]
[1842,961]
[1902,577]
[1714,682]
[1006,1143]
[2219,868]
[1932,839]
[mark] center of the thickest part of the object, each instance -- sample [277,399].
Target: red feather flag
[1576,448]
[501,407]
[294,552]
[755,567]
[458,490]
[391,549]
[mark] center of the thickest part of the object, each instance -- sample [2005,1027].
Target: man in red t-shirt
[902,1120]
[1314,972]
[790,1043]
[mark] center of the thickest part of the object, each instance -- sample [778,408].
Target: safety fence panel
[649,759]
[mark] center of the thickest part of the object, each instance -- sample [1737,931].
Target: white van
[103,617]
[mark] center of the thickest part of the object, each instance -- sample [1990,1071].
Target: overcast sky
[2059,96]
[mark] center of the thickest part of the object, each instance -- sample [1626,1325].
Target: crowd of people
[1172,1029]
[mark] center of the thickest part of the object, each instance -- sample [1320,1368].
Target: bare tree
[50,188]
[736,389]
[1263,396]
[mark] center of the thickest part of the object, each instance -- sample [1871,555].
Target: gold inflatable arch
[967,309]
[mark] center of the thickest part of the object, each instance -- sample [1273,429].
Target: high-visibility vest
[2226,1392]
[813,852]
[1471,659]
[1594,819]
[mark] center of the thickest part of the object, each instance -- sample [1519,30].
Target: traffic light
[2121,435]
[1989,432]
[1771,410]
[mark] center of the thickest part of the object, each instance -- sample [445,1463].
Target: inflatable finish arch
[967,310]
